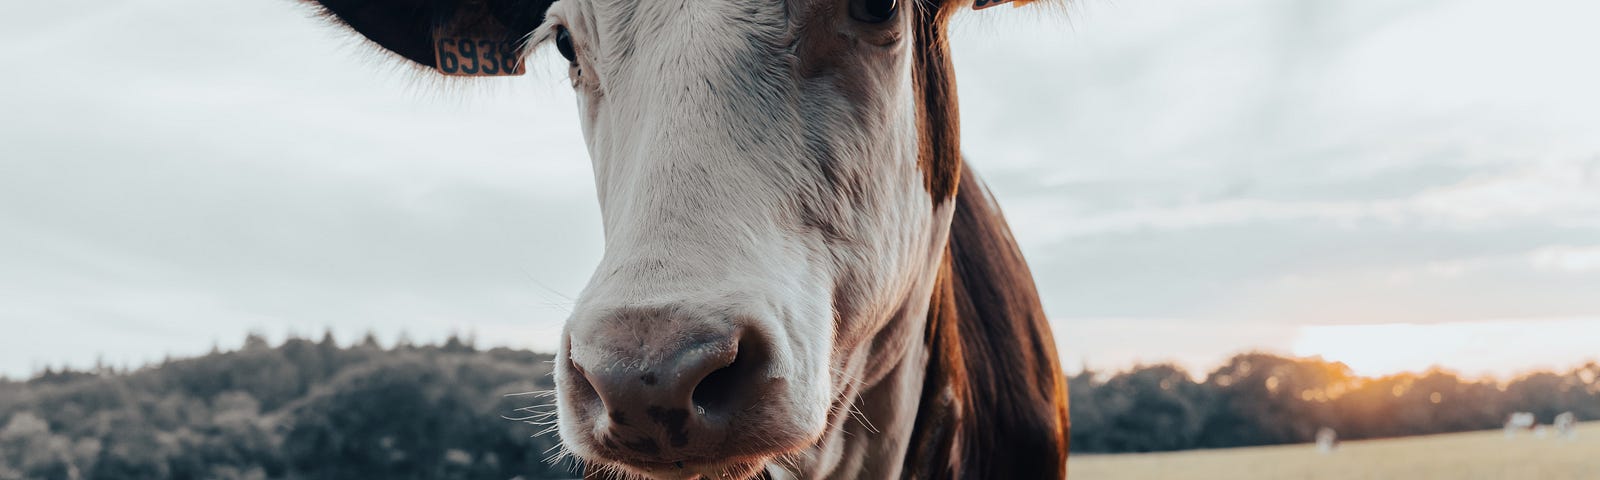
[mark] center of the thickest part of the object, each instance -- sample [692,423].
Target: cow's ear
[454,37]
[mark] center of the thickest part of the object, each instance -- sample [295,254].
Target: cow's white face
[768,229]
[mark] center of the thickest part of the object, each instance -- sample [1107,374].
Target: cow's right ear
[454,37]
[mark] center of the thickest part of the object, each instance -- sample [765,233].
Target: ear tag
[473,43]
[460,55]
[982,4]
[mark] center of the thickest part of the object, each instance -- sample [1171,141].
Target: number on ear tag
[476,56]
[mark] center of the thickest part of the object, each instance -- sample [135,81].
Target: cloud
[1564,193]
[1559,193]
[1567,258]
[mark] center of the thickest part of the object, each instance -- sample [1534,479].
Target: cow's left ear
[454,37]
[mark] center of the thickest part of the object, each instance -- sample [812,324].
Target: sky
[1390,183]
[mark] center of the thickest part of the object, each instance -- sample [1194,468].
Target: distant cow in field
[1520,421]
[1566,425]
[1327,440]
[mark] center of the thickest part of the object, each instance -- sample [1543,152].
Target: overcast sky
[1188,179]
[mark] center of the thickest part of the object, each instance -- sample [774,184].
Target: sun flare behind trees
[1263,399]
[315,409]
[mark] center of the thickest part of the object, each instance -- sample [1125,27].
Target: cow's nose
[673,400]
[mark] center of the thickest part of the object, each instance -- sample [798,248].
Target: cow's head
[774,177]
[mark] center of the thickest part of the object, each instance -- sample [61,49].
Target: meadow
[1459,456]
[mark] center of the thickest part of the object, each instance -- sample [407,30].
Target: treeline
[1261,399]
[313,409]
[302,409]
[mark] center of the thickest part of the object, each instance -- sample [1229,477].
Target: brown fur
[938,118]
[994,404]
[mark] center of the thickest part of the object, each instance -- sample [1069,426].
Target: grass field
[1478,455]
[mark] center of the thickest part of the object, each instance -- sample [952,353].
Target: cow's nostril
[715,390]
[729,387]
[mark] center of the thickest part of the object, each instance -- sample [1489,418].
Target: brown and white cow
[801,279]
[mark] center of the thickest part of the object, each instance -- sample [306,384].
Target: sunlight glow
[1500,349]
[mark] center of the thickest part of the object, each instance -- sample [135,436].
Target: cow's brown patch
[938,117]
[994,404]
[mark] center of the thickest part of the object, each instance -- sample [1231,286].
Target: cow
[1566,425]
[1327,440]
[1520,421]
[802,277]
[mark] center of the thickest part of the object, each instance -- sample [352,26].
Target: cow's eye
[564,44]
[873,11]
